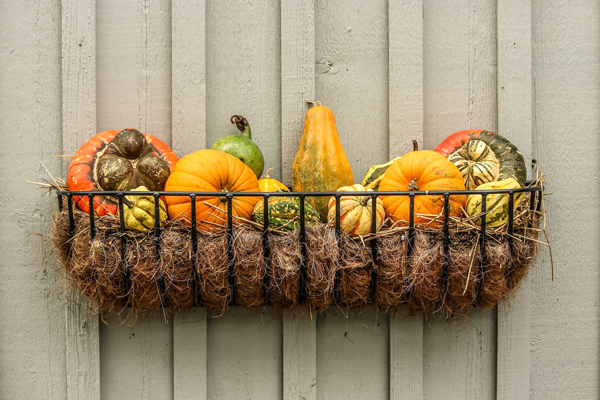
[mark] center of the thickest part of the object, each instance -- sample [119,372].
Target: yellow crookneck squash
[268,184]
[320,164]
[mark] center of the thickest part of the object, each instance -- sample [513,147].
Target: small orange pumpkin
[356,211]
[211,171]
[422,171]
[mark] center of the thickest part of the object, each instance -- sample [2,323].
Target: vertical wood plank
[515,114]
[297,75]
[189,76]
[32,310]
[245,357]
[243,67]
[459,93]
[353,355]
[565,317]
[297,85]
[134,90]
[189,135]
[79,124]
[405,22]
[352,76]
[352,61]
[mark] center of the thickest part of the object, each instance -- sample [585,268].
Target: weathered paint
[391,72]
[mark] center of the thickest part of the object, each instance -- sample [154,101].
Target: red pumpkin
[118,160]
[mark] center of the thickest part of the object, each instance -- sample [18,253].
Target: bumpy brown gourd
[320,164]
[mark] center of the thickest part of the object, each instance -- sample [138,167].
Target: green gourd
[242,146]
[284,213]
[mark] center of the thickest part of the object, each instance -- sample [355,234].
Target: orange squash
[422,171]
[211,171]
[320,164]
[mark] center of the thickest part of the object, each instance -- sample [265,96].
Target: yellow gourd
[496,205]
[268,184]
[140,211]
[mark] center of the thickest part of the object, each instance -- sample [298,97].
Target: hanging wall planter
[451,267]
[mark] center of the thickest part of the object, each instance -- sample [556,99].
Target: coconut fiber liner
[137,274]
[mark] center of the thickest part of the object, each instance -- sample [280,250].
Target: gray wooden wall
[391,71]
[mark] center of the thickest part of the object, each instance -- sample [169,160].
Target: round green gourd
[242,146]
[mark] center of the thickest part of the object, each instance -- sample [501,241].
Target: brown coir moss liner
[410,273]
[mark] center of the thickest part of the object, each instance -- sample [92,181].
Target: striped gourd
[476,163]
[496,205]
[284,213]
[483,157]
[356,211]
[375,174]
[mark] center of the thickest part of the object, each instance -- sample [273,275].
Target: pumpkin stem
[313,103]
[413,184]
[266,176]
[415,145]
[242,124]
[364,201]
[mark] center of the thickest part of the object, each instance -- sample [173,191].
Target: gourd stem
[313,103]
[242,124]
[413,185]
[266,176]
[415,145]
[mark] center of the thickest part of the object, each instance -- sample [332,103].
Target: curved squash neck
[242,124]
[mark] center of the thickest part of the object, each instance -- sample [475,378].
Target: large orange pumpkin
[211,171]
[421,171]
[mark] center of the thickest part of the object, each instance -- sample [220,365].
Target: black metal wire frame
[535,205]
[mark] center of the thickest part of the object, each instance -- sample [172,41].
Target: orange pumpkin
[421,171]
[211,171]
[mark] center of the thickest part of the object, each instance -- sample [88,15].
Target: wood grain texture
[459,93]
[190,355]
[297,76]
[352,76]
[136,360]
[134,66]
[189,135]
[299,357]
[134,90]
[188,76]
[353,355]
[405,21]
[78,125]
[515,114]
[406,357]
[405,24]
[565,317]
[243,73]
[297,85]
[32,312]
[245,355]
